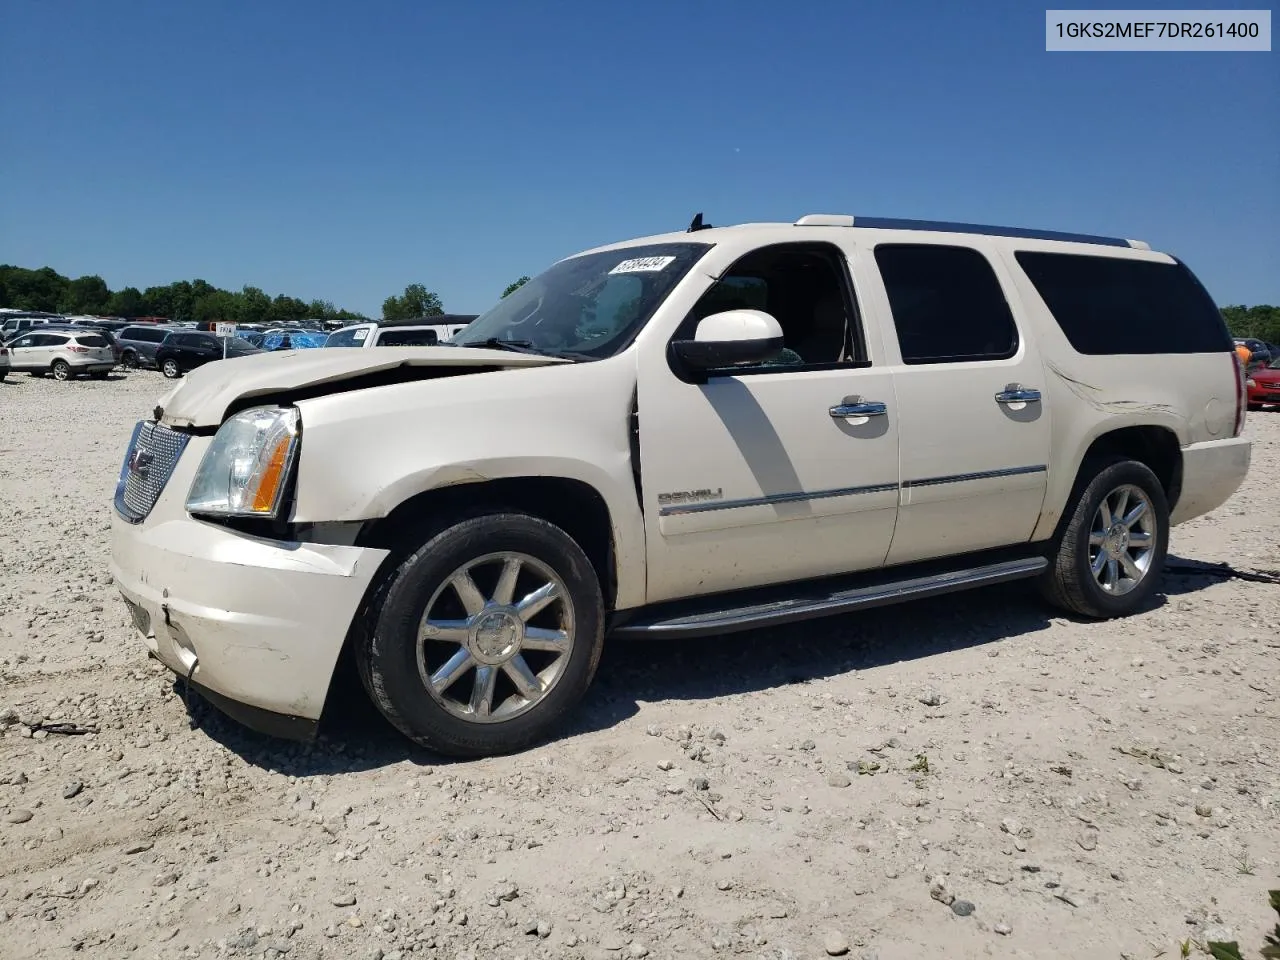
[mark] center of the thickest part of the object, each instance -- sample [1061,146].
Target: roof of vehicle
[823,222]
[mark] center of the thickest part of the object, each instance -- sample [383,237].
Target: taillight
[76,348]
[1242,393]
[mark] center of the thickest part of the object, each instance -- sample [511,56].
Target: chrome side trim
[774,498]
[715,622]
[981,475]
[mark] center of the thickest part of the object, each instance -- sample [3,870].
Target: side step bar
[714,618]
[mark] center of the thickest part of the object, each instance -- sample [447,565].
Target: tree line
[47,290]
[1262,322]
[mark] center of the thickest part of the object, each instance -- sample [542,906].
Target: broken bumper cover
[256,625]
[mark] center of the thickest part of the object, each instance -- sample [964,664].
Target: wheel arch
[572,505]
[1154,445]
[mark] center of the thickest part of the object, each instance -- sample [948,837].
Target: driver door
[770,474]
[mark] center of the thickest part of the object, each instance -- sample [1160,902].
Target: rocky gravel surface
[969,777]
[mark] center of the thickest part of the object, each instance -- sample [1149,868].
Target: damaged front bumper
[256,625]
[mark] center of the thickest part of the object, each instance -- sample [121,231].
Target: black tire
[1069,582]
[169,367]
[129,359]
[61,370]
[387,655]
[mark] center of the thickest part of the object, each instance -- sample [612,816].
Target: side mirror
[730,339]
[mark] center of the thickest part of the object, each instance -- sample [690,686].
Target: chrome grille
[152,456]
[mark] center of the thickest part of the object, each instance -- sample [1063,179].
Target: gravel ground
[973,776]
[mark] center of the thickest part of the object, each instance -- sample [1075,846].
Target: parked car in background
[63,353]
[15,323]
[4,362]
[139,343]
[421,332]
[1261,354]
[292,338]
[1264,386]
[83,326]
[184,350]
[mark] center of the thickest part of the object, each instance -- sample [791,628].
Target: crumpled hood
[203,396]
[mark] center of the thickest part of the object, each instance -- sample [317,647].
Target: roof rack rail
[944,226]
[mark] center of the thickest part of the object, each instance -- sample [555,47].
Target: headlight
[244,471]
[1250,382]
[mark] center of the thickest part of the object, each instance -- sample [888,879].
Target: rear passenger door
[972,414]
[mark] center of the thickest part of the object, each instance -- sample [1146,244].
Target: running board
[708,616]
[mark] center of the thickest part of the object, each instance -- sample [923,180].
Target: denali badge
[690,496]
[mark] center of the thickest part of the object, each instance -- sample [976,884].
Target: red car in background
[1264,385]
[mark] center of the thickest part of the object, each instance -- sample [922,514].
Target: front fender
[365,452]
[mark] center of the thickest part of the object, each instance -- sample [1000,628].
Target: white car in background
[63,353]
[391,333]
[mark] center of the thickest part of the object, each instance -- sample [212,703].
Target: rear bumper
[1211,473]
[257,625]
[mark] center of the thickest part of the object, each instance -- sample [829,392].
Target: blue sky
[343,150]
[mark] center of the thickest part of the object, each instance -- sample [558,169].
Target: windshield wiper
[496,343]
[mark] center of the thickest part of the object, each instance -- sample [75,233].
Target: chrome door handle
[1017,393]
[861,408]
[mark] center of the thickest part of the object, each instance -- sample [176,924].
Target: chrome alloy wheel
[1122,540]
[495,637]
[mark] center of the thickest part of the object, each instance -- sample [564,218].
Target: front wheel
[1109,557]
[487,636]
[129,360]
[61,370]
[171,369]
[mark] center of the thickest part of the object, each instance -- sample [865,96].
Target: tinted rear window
[408,338]
[144,334]
[1110,305]
[91,340]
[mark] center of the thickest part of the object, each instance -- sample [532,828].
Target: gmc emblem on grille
[139,461]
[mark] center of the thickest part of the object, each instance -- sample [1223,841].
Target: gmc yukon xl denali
[678,436]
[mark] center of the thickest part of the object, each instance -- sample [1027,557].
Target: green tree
[513,287]
[284,309]
[1262,321]
[85,295]
[255,306]
[215,306]
[127,303]
[39,289]
[417,301]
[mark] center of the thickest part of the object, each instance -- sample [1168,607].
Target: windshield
[351,337]
[592,304]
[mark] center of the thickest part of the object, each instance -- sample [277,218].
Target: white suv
[678,436]
[63,353]
[398,334]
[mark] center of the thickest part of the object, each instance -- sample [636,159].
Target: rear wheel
[1109,557]
[486,637]
[61,370]
[170,368]
[129,359]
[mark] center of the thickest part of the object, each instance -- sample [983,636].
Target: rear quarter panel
[1191,395]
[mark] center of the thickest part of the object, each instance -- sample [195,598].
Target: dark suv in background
[184,350]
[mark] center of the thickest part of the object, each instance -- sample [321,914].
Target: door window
[947,304]
[802,286]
